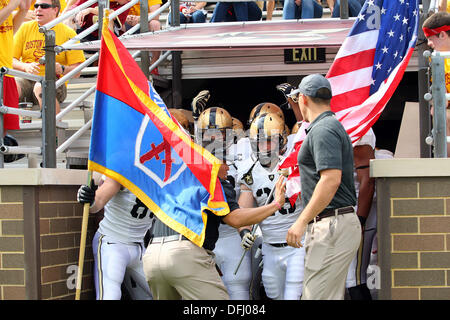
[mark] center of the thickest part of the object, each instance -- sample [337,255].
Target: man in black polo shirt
[333,231]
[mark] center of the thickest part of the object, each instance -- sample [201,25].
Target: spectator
[29,49]
[354,7]
[134,17]
[9,24]
[302,9]
[236,11]
[192,12]
[87,17]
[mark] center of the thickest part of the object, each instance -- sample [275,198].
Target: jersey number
[140,210]
[283,210]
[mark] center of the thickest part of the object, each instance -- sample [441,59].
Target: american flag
[366,71]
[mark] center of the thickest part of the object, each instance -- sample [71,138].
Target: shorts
[10,99]
[27,94]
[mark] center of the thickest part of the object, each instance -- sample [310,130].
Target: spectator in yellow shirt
[9,24]
[29,49]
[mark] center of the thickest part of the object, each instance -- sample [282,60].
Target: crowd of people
[258,226]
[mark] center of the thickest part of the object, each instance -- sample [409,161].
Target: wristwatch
[63,68]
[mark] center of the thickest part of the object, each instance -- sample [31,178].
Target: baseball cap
[311,84]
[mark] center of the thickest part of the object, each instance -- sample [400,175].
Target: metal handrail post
[49,103]
[344,9]
[423,85]
[176,59]
[438,91]
[102,4]
[143,21]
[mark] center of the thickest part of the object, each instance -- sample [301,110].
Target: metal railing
[438,137]
[49,82]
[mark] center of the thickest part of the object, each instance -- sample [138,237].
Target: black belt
[331,212]
[175,237]
[279,245]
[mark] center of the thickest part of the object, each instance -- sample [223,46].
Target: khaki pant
[181,270]
[330,244]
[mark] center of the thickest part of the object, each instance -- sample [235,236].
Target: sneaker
[10,141]
[199,103]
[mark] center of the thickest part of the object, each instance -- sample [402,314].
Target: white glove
[247,239]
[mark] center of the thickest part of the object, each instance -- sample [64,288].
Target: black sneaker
[10,141]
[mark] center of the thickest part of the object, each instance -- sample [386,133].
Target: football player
[283,265]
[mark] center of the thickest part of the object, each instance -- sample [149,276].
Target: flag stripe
[353,80]
[350,63]
[357,43]
[350,99]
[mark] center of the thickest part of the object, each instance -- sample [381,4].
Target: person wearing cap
[437,31]
[329,222]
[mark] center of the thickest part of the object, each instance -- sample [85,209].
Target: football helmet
[214,131]
[268,137]
[265,107]
[181,118]
[238,128]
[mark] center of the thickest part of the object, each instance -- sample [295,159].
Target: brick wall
[12,266]
[414,232]
[42,266]
[60,230]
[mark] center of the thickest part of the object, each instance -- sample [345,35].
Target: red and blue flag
[136,141]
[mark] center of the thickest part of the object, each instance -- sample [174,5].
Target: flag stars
[391,33]
[402,1]
[370,3]
[405,21]
[395,54]
[389,70]
[360,17]
[383,10]
[401,37]
[378,65]
[385,50]
[397,17]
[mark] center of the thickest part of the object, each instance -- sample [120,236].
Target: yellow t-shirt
[136,9]
[6,39]
[448,6]
[447,74]
[29,44]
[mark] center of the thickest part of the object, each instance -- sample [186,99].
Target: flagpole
[84,226]
[284,172]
